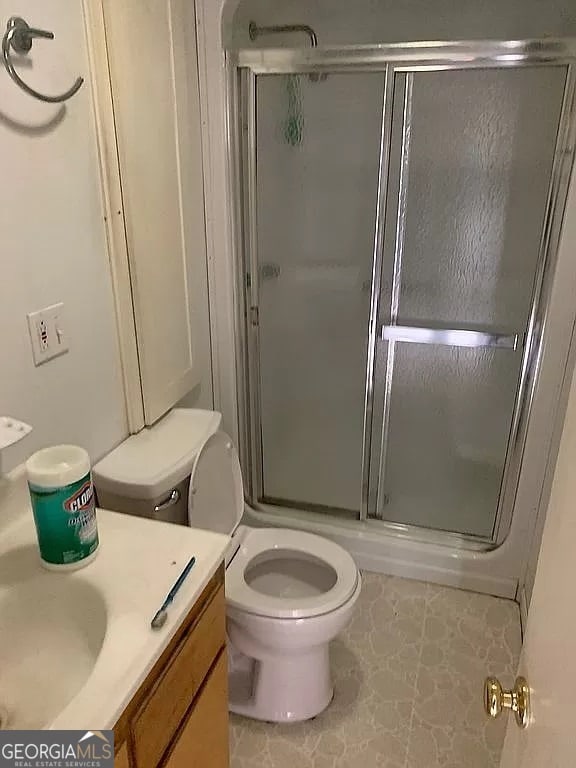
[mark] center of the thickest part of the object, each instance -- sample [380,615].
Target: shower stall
[397,215]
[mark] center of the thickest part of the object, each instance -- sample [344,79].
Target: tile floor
[408,678]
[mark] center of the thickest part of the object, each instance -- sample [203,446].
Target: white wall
[527,579]
[54,247]
[341,22]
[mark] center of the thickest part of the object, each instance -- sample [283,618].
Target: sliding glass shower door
[316,179]
[394,228]
[468,186]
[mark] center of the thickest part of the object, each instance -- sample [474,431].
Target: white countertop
[138,562]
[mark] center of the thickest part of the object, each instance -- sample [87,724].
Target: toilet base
[286,689]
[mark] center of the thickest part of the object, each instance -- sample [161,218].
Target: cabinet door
[154,75]
[203,740]
[162,713]
[121,759]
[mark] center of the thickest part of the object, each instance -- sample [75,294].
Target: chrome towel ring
[19,36]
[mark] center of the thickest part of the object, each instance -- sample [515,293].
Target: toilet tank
[149,473]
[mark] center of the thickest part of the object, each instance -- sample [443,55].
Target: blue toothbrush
[162,613]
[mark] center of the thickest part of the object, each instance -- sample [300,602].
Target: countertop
[138,562]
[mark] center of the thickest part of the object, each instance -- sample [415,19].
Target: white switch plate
[47,333]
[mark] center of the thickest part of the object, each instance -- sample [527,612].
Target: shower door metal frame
[243,68]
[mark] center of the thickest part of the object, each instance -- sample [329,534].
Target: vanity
[179,715]
[77,650]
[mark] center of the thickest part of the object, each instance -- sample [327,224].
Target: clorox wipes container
[64,509]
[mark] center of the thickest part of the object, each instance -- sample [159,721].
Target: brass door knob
[497,699]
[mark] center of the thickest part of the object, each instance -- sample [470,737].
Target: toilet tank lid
[152,462]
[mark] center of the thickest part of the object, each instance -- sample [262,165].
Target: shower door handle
[448,337]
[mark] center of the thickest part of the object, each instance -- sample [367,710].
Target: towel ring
[19,35]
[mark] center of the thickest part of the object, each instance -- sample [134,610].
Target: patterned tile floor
[408,676]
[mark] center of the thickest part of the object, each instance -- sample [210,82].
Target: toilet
[288,593]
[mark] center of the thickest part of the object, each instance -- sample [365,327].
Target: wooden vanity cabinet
[178,718]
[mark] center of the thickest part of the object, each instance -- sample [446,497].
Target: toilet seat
[216,493]
[257,542]
[216,502]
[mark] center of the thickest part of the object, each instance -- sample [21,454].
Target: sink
[52,628]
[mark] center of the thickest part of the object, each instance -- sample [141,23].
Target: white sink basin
[52,629]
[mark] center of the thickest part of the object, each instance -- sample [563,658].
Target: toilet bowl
[288,593]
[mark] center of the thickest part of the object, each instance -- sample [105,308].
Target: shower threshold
[306,507]
[398,550]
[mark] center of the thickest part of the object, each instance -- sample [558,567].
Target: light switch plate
[47,334]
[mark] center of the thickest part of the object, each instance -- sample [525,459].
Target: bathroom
[249,195]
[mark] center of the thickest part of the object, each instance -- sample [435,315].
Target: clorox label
[82,499]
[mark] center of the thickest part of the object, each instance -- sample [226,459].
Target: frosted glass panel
[317,166]
[479,147]
[480,158]
[450,417]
